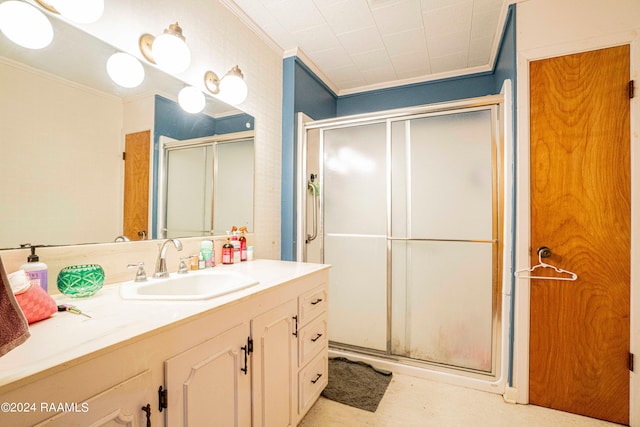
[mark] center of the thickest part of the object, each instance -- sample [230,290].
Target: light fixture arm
[48,7]
[212,82]
[145,43]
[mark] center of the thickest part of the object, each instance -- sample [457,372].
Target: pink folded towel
[14,329]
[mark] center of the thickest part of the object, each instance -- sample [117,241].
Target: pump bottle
[37,271]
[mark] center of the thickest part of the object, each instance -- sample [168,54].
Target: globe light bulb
[25,25]
[191,99]
[125,70]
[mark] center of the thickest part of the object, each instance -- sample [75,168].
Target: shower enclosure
[407,208]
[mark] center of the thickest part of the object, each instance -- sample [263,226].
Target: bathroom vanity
[257,356]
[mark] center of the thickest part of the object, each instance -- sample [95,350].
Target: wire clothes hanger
[545,252]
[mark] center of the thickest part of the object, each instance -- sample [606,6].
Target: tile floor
[415,402]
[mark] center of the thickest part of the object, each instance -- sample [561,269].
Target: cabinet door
[206,384]
[120,405]
[274,365]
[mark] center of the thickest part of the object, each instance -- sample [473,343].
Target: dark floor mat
[356,384]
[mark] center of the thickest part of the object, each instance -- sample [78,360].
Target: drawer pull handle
[147,410]
[316,338]
[318,376]
[318,300]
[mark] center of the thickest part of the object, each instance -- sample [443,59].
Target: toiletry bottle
[201,264]
[227,252]
[243,244]
[36,270]
[193,262]
[249,253]
[206,249]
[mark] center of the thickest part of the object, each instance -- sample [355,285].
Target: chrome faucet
[161,262]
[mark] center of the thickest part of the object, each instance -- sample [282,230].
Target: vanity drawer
[311,381]
[312,304]
[312,339]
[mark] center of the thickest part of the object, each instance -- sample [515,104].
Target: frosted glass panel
[188,203]
[443,302]
[358,290]
[452,176]
[233,203]
[399,179]
[354,180]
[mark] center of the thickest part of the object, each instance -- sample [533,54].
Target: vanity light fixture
[231,88]
[191,99]
[125,70]
[168,51]
[82,11]
[25,25]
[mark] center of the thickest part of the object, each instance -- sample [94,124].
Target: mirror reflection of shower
[206,185]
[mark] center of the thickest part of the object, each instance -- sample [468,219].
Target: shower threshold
[482,381]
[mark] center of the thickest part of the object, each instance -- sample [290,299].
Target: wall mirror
[63,126]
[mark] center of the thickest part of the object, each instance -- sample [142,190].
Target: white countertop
[66,336]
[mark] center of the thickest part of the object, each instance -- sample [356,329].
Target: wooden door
[580,209]
[136,185]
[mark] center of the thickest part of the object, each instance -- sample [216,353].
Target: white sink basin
[195,285]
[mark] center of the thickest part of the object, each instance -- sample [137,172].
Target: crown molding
[251,24]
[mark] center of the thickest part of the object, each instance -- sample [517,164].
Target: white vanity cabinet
[211,381]
[274,363]
[120,405]
[255,358]
[313,359]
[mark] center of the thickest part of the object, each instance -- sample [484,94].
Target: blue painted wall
[302,91]
[417,94]
[235,123]
[172,121]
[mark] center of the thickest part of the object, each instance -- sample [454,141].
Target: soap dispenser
[37,271]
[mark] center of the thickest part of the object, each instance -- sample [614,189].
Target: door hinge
[124,155]
[162,399]
[631,362]
[632,89]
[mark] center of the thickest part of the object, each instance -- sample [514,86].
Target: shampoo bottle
[227,252]
[243,244]
[36,270]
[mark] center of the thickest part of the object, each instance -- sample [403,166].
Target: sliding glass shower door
[355,233]
[409,219]
[443,239]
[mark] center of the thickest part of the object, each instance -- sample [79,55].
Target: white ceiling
[357,45]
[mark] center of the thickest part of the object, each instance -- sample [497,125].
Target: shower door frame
[499,115]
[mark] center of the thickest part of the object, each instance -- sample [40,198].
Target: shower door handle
[314,191]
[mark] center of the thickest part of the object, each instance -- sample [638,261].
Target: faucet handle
[141,275]
[182,268]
